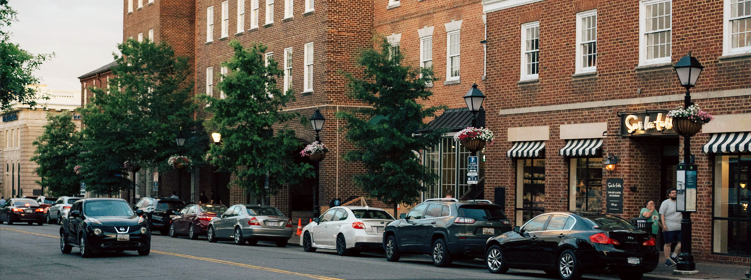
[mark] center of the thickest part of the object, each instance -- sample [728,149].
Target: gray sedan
[251,223]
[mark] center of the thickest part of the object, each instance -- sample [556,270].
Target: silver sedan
[251,223]
[60,209]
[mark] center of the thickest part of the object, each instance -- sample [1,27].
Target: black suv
[160,211]
[445,228]
[104,224]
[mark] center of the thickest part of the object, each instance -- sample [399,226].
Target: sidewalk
[707,270]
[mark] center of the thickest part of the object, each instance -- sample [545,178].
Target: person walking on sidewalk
[671,227]
[650,213]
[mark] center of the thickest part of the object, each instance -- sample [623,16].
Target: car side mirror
[75,213]
[317,220]
[139,212]
[517,229]
[406,218]
[222,216]
[402,215]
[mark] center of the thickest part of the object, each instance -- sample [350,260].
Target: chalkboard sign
[615,196]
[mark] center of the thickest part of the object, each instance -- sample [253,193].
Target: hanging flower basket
[316,151]
[317,156]
[688,121]
[474,139]
[686,127]
[77,169]
[179,162]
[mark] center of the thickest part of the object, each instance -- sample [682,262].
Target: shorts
[671,236]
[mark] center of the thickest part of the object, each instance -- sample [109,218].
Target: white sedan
[348,230]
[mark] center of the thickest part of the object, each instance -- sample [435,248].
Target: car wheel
[307,243]
[392,250]
[341,245]
[64,247]
[631,275]
[441,255]
[192,233]
[239,240]
[144,252]
[210,235]
[568,266]
[172,232]
[282,243]
[84,248]
[495,261]
[30,223]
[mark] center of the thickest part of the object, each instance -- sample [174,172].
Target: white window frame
[269,11]
[449,56]
[140,37]
[266,57]
[579,51]
[289,8]
[140,4]
[309,6]
[643,36]
[423,59]
[225,19]
[524,76]
[210,81]
[130,6]
[394,4]
[308,57]
[240,16]
[151,1]
[210,24]
[254,13]
[395,41]
[288,62]
[224,71]
[727,26]
[151,35]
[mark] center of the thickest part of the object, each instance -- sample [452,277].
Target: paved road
[32,252]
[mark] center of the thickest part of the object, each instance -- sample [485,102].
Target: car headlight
[144,230]
[97,231]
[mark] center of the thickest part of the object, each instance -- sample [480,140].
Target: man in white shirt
[671,227]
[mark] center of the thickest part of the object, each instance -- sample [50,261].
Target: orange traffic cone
[311,220]
[299,227]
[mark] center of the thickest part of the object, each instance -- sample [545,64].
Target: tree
[385,144]
[137,117]
[16,66]
[245,117]
[57,155]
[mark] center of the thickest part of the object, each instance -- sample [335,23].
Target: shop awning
[453,120]
[729,143]
[526,149]
[581,147]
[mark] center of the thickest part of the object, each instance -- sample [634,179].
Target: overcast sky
[83,34]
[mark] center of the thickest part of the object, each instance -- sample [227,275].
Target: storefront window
[732,216]
[448,160]
[530,194]
[585,184]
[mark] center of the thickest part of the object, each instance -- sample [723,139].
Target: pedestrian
[2,201]
[203,199]
[650,213]
[671,227]
[174,195]
[215,198]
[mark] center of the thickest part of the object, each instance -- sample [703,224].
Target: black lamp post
[317,121]
[217,137]
[688,70]
[474,99]
[180,140]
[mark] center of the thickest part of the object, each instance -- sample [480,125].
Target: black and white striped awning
[526,149]
[581,147]
[736,142]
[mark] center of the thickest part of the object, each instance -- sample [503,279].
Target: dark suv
[160,211]
[445,228]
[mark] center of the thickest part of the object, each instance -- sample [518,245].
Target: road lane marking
[268,269]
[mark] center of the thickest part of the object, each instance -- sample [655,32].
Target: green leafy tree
[16,66]
[385,144]
[57,151]
[137,117]
[245,117]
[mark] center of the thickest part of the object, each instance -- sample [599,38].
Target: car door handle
[561,235]
[534,237]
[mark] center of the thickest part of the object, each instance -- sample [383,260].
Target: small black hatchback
[104,224]
[568,244]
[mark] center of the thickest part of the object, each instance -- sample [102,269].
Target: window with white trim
[224,72]
[426,52]
[151,1]
[130,6]
[287,69]
[85,95]
[254,13]
[140,37]
[530,54]
[151,35]
[586,41]
[309,5]
[289,6]
[656,29]
[210,24]
[267,58]
[453,55]
[394,3]
[737,27]
[269,11]
[308,71]
[225,19]
[140,4]
[240,16]
[395,41]
[210,81]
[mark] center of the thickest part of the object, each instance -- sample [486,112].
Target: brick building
[571,82]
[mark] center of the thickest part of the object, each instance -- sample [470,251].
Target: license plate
[379,229]
[488,231]
[634,260]
[28,211]
[171,216]
[272,224]
[123,237]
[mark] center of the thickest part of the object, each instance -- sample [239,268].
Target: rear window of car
[372,214]
[24,202]
[482,212]
[609,223]
[263,211]
[164,205]
[213,209]
[71,200]
[49,200]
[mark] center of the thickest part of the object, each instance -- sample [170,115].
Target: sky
[83,34]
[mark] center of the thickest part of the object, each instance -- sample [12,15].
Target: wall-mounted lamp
[610,162]
[743,186]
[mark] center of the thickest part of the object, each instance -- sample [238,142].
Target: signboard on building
[472,170]
[686,188]
[649,123]
[10,117]
[615,196]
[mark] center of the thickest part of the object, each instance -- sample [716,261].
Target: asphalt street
[32,252]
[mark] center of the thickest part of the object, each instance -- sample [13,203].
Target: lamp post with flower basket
[317,152]
[179,161]
[472,138]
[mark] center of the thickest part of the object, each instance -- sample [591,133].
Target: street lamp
[474,99]
[317,121]
[688,70]
[180,140]
[216,136]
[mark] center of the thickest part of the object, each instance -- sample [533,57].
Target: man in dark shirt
[215,198]
[203,199]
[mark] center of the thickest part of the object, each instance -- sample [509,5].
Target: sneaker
[674,259]
[669,262]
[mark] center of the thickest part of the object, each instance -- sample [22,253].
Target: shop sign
[649,123]
[472,169]
[10,117]
[615,196]
[686,188]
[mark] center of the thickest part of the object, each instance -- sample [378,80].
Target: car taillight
[358,225]
[205,218]
[506,222]
[17,210]
[39,210]
[253,222]
[650,242]
[289,223]
[463,220]
[66,207]
[602,238]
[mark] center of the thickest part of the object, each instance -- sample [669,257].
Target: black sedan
[104,224]
[160,211]
[22,210]
[569,244]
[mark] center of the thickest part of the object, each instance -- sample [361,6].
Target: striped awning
[735,142]
[581,147]
[526,149]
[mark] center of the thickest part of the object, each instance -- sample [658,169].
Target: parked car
[348,230]
[45,202]
[251,223]
[194,219]
[104,224]
[568,244]
[59,208]
[22,210]
[446,229]
[160,211]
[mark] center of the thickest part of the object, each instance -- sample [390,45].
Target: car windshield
[608,223]
[71,200]
[372,214]
[168,205]
[482,212]
[263,211]
[107,208]
[213,209]
[49,200]
[24,202]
